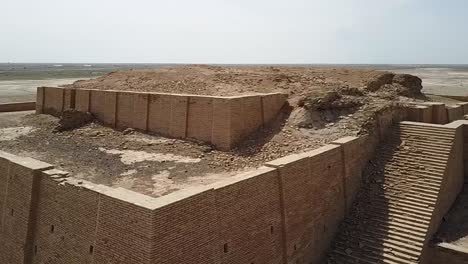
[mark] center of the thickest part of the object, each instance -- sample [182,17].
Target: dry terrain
[324,105]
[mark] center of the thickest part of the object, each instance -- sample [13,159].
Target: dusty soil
[324,105]
[149,164]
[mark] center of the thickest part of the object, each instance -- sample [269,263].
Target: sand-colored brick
[464,106]
[39,100]
[221,129]
[103,106]
[68,98]
[132,110]
[249,218]
[178,123]
[53,101]
[200,118]
[82,100]
[313,198]
[272,104]
[159,113]
[454,112]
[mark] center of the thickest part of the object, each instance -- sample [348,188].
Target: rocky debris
[331,100]
[398,84]
[378,81]
[71,119]
[409,84]
[128,131]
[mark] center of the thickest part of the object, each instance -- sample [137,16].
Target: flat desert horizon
[18,81]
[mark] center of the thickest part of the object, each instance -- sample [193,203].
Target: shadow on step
[389,218]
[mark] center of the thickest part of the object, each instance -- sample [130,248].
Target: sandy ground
[324,105]
[25,90]
[441,81]
[148,164]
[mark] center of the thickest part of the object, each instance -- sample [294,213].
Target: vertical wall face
[39,100]
[222,121]
[132,110]
[186,231]
[249,219]
[465,151]
[454,113]
[53,100]
[103,106]
[125,106]
[124,233]
[18,199]
[159,113]
[68,98]
[15,214]
[82,100]
[66,223]
[354,160]
[252,112]
[271,106]
[200,118]
[221,131]
[179,112]
[313,201]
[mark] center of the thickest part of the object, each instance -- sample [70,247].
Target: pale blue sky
[235,31]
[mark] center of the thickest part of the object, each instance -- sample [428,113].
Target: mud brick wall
[185,228]
[18,182]
[221,121]
[313,201]
[52,100]
[21,106]
[453,178]
[354,161]
[286,212]
[420,113]
[124,233]
[454,113]
[103,105]
[465,151]
[132,110]
[249,215]
[65,228]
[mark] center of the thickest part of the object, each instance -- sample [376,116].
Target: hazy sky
[234,31]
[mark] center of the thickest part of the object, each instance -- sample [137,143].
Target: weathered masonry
[287,211]
[221,121]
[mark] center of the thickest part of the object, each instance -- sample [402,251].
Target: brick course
[222,121]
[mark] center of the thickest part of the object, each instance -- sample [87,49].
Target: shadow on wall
[362,231]
[455,226]
[254,143]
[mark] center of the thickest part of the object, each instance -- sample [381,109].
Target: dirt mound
[71,119]
[409,84]
[402,84]
[378,81]
[324,103]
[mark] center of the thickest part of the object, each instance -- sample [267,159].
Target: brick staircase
[391,218]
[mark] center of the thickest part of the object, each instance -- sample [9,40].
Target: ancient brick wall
[18,198]
[222,121]
[65,228]
[454,113]
[52,100]
[313,201]
[249,218]
[20,106]
[185,228]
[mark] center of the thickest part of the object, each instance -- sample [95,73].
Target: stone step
[390,220]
